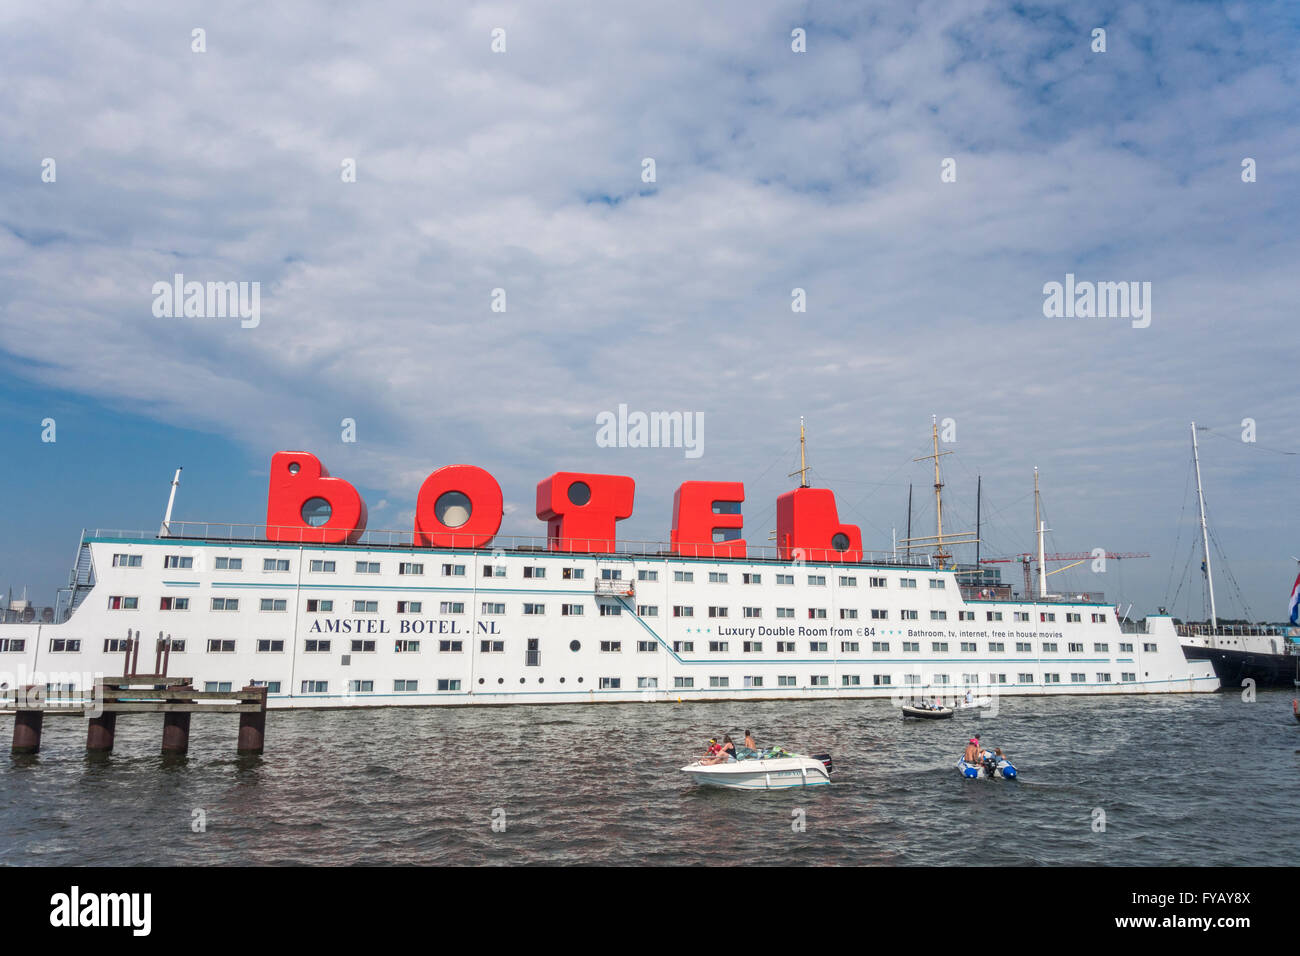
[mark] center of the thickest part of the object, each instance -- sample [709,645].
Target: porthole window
[293,468]
[575,645]
[521,680]
[480,680]
[579,680]
[541,680]
[453,508]
[840,542]
[561,680]
[579,493]
[501,680]
[316,511]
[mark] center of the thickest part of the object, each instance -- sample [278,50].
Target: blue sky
[775,170]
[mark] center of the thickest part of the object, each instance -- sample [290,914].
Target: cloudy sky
[522,170]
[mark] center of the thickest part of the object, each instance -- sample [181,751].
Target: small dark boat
[925,713]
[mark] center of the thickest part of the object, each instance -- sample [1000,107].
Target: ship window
[316,512]
[575,645]
[453,508]
[579,493]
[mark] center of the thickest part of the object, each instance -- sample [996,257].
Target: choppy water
[1181,780]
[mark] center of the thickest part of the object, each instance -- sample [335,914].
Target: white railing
[208,531]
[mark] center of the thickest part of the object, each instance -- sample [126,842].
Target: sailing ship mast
[1039,531]
[1205,534]
[940,539]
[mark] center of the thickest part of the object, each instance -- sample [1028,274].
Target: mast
[1205,534]
[908,539]
[803,458]
[979,491]
[171,500]
[940,539]
[938,489]
[1038,529]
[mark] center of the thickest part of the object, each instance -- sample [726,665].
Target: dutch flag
[1295,601]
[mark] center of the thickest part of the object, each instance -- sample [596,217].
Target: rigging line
[1254,445]
[1191,552]
[1232,578]
[862,516]
[774,463]
[1173,555]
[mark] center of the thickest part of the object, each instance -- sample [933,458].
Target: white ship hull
[758,629]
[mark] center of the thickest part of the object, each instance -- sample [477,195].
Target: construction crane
[1027,560]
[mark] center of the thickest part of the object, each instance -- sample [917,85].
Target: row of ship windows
[533,572]
[326,606]
[114,645]
[412,685]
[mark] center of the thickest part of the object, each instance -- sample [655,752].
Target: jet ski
[991,766]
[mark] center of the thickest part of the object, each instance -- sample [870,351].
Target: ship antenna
[803,458]
[1205,534]
[165,530]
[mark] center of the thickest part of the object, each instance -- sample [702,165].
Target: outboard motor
[826,759]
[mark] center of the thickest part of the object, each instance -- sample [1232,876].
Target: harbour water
[1192,780]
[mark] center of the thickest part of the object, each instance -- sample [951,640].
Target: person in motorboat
[969,697]
[750,742]
[972,752]
[728,747]
[711,755]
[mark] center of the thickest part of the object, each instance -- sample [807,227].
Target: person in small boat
[969,698]
[719,752]
[972,753]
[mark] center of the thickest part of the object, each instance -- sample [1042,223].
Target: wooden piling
[176,732]
[100,731]
[252,726]
[27,731]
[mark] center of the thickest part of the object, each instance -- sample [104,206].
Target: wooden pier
[173,697]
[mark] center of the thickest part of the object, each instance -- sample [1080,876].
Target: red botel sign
[300,485]
[696,517]
[461,506]
[808,528]
[580,510]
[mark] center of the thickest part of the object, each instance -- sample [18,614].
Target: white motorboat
[763,770]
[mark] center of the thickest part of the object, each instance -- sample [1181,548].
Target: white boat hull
[784,773]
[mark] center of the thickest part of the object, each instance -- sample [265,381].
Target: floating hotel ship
[325,613]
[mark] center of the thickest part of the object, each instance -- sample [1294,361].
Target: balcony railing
[218,532]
